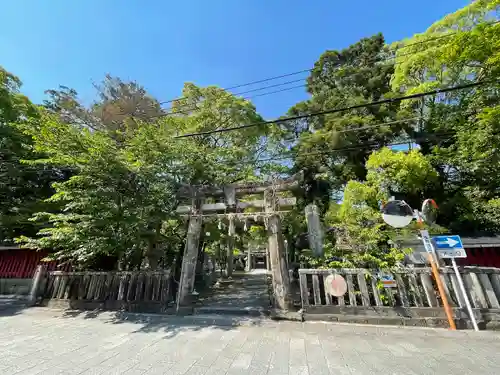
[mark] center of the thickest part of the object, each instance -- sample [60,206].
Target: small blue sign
[448,242]
[449,246]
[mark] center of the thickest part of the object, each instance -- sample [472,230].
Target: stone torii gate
[271,203]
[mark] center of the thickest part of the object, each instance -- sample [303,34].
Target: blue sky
[161,44]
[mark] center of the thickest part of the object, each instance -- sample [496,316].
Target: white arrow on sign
[450,241]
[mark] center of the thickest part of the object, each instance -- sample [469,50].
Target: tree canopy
[100,181]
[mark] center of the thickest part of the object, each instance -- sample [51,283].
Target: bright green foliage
[362,238]
[360,216]
[121,201]
[119,164]
[115,204]
[22,187]
[462,46]
[224,157]
[460,127]
[405,173]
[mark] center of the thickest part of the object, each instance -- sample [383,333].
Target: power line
[309,70]
[356,147]
[193,106]
[248,84]
[342,109]
[275,92]
[268,87]
[374,126]
[446,136]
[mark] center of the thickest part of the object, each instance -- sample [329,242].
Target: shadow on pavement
[12,305]
[171,325]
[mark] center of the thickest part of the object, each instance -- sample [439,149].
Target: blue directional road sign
[449,246]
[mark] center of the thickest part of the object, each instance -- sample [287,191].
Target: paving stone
[39,341]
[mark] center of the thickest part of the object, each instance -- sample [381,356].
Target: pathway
[39,341]
[246,293]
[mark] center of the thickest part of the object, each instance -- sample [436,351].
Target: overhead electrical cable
[428,40]
[341,109]
[356,147]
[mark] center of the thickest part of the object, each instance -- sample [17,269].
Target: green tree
[332,143]
[115,204]
[121,200]
[407,174]
[459,129]
[220,157]
[119,109]
[22,187]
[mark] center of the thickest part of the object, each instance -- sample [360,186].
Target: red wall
[484,257]
[21,263]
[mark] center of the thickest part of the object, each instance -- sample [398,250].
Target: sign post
[451,247]
[426,239]
[398,214]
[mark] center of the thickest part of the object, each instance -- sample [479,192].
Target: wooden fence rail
[415,294]
[141,291]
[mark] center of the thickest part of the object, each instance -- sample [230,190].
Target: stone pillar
[37,283]
[314,230]
[279,271]
[230,200]
[248,265]
[190,258]
[230,248]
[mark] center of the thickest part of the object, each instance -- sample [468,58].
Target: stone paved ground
[247,290]
[38,341]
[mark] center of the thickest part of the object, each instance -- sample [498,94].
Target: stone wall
[19,287]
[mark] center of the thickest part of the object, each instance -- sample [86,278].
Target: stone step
[235,311]
[435,322]
[227,320]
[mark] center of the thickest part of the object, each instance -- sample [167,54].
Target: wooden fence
[140,291]
[414,297]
